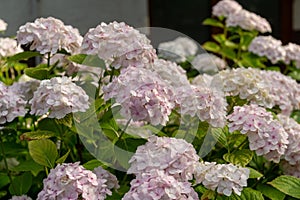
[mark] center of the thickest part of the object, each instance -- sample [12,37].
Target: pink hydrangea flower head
[292,52]
[111,180]
[12,104]
[225,178]
[156,185]
[26,88]
[292,170]
[59,96]
[22,197]
[143,95]
[175,157]
[9,47]
[208,63]
[225,8]
[49,35]
[119,45]
[269,47]
[3,25]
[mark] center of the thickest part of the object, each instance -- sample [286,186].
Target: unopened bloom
[177,50]
[3,25]
[175,157]
[225,8]
[269,47]
[248,21]
[12,104]
[59,96]
[9,47]
[208,63]
[157,185]
[292,52]
[49,35]
[22,197]
[142,94]
[266,136]
[226,178]
[119,45]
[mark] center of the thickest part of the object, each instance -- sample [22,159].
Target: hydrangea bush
[105,115]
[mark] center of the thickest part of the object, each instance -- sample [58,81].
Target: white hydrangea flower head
[49,35]
[205,102]
[266,136]
[71,180]
[143,95]
[225,8]
[59,96]
[226,178]
[12,104]
[178,49]
[175,157]
[3,25]
[111,180]
[26,88]
[203,80]
[292,52]
[292,170]
[208,63]
[292,154]
[22,197]
[9,47]
[247,83]
[284,91]
[119,45]
[269,47]
[157,185]
[248,21]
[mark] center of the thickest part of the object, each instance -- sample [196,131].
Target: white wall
[82,14]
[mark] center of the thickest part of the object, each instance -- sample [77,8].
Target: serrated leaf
[43,152]
[240,157]
[29,165]
[37,135]
[211,46]
[63,158]
[288,185]
[213,22]
[254,173]
[248,193]
[21,184]
[271,192]
[23,56]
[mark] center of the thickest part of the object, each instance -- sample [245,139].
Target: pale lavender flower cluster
[225,8]
[142,95]
[59,96]
[163,167]
[177,50]
[284,91]
[22,197]
[49,35]
[25,88]
[266,136]
[157,185]
[247,83]
[248,21]
[226,178]
[119,45]
[202,101]
[292,154]
[269,47]
[71,181]
[3,25]
[9,47]
[12,104]
[208,63]
[292,52]
[292,170]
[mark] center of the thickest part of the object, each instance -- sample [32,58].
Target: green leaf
[208,194]
[21,184]
[252,60]
[48,124]
[23,56]
[212,136]
[67,120]
[295,74]
[270,192]
[3,194]
[254,173]
[29,165]
[92,164]
[240,157]
[246,194]
[63,158]
[4,180]
[228,53]
[89,60]
[43,152]
[288,185]
[39,73]
[213,22]
[246,39]
[219,37]
[78,58]
[37,135]
[211,46]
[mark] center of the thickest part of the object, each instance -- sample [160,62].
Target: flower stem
[48,59]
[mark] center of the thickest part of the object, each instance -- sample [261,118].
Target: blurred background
[183,16]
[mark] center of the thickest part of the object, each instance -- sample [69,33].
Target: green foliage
[288,185]
[21,184]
